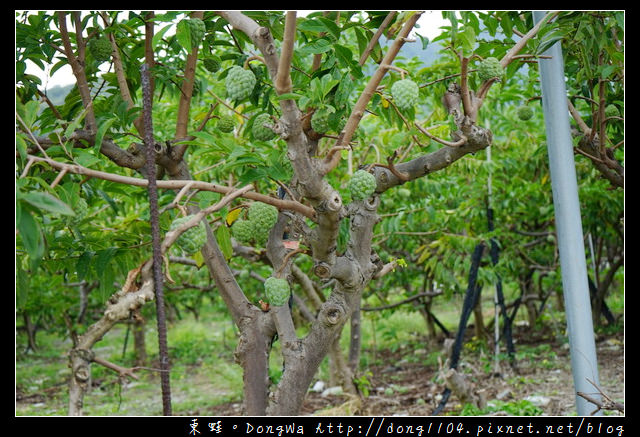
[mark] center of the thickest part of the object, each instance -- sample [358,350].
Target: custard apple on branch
[239,83]
[191,240]
[226,123]
[100,48]
[243,231]
[405,93]
[489,68]
[81,210]
[277,291]
[525,112]
[362,185]
[262,127]
[320,120]
[197,29]
[263,215]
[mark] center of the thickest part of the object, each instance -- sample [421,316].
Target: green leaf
[102,130]
[344,55]
[208,138]
[29,230]
[424,40]
[22,286]
[223,236]
[288,96]
[46,202]
[183,34]
[320,45]
[312,25]
[82,266]
[157,37]
[103,258]
[467,38]
[29,112]
[330,27]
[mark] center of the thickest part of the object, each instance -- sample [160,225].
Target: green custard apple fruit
[81,209]
[277,291]
[243,231]
[211,63]
[100,48]
[405,193]
[263,215]
[191,240]
[320,121]
[405,93]
[226,123]
[362,185]
[611,111]
[239,83]
[197,29]
[262,127]
[490,67]
[525,112]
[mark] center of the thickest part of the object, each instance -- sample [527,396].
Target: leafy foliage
[75,231]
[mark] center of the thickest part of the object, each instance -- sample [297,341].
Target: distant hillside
[57,93]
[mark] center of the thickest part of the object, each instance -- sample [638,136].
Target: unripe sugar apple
[100,48]
[261,127]
[243,231]
[239,83]
[320,121]
[490,67]
[263,215]
[191,240]
[211,63]
[362,185]
[226,123]
[277,291]
[525,112]
[405,93]
[611,111]
[196,30]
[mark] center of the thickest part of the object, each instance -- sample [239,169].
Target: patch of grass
[514,408]
[203,372]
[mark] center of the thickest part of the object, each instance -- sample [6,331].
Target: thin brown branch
[182,122]
[510,55]
[586,130]
[332,159]
[33,138]
[402,302]
[374,40]
[286,259]
[392,168]
[78,71]
[118,67]
[461,142]
[464,88]
[177,184]
[283,79]
[122,371]
[376,78]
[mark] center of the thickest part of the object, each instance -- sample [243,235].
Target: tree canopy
[267,107]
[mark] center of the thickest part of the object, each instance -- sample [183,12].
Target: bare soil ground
[401,387]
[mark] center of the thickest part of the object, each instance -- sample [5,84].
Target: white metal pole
[568,225]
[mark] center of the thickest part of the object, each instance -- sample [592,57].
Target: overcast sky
[429,22]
